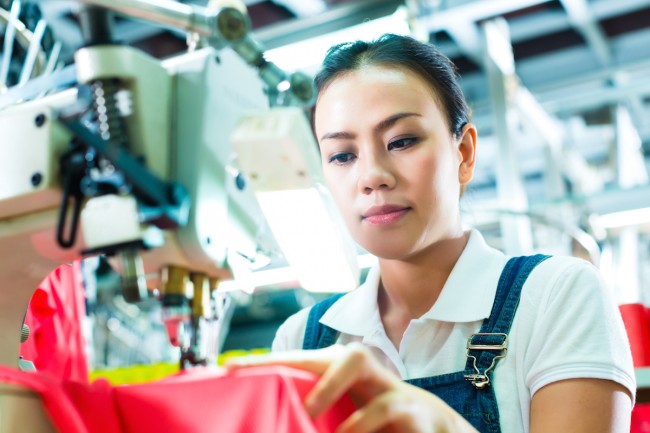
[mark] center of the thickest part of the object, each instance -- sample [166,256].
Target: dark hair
[401,51]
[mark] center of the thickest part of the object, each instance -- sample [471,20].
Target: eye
[402,143]
[341,158]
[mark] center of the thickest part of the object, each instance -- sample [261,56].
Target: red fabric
[95,404]
[55,316]
[258,400]
[255,400]
[62,411]
[641,418]
[635,318]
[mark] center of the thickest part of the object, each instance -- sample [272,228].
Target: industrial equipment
[130,157]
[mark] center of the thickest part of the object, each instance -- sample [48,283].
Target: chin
[387,250]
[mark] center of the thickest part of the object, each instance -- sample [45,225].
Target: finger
[379,413]
[315,361]
[356,365]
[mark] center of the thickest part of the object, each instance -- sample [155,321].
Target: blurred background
[560,92]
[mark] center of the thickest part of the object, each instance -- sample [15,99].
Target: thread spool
[635,318]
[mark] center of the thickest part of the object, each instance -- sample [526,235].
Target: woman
[398,149]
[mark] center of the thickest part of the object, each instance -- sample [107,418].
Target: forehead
[372,93]
[380,75]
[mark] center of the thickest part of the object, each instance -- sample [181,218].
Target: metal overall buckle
[482,380]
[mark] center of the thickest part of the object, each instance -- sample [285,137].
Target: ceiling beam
[469,40]
[303,8]
[584,22]
[443,19]
[459,22]
[333,19]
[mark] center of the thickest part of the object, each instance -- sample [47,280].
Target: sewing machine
[135,162]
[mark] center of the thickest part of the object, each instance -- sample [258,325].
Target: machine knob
[302,88]
[24,333]
[232,24]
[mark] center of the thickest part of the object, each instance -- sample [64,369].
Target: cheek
[440,166]
[336,186]
[430,179]
[342,192]
[425,172]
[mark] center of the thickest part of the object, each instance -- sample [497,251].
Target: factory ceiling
[580,59]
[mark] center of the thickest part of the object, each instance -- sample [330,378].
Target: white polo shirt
[567,326]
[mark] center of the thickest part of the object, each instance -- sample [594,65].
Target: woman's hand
[384,401]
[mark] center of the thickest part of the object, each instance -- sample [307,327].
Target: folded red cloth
[61,409]
[203,400]
[55,319]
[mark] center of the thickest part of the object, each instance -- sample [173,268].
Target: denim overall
[467,391]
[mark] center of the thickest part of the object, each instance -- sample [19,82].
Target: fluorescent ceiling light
[309,238]
[285,275]
[277,153]
[309,54]
[625,218]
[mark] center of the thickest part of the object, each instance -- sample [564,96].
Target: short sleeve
[578,331]
[290,334]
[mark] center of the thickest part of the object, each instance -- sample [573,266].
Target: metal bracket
[481,380]
[165,204]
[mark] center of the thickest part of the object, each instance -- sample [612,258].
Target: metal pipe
[96,25]
[201,299]
[178,15]
[32,53]
[227,26]
[9,37]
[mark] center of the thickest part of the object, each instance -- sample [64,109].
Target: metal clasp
[481,380]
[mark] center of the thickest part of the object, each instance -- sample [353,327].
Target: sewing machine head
[136,162]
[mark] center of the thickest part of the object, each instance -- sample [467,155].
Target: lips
[385,215]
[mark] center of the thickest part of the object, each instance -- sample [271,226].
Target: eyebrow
[390,121]
[381,126]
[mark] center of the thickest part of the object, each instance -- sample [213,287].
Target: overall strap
[511,282]
[491,343]
[317,335]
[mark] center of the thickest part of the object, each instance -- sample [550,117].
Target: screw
[176,193]
[39,120]
[240,181]
[37,178]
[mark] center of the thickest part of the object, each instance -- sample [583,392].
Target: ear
[467,154]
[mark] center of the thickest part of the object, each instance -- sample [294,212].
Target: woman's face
[390,160]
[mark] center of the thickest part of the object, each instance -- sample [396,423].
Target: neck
[409,287]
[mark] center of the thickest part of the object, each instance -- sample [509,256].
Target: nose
[375,173]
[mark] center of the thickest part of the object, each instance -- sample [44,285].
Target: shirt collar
[467,295]
[357,312]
